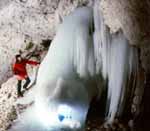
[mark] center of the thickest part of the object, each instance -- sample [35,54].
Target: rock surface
[132,16]
[8,97]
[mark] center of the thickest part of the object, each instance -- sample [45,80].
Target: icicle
[114,59]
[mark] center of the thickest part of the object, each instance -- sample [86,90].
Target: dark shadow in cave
[97,110]
[46,43]
[143,120]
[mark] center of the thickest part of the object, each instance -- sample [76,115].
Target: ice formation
[116,60]
[82,50]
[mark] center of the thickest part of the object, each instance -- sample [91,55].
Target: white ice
[116,60]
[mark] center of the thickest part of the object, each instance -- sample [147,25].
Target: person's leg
[26,83]
[19,93]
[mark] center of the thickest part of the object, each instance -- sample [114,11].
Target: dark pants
[24,86]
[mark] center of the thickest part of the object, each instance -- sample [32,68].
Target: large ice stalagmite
[71,55]
[67,73]
[66,77]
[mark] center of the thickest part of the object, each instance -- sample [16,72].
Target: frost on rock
[20,23]
[8,96]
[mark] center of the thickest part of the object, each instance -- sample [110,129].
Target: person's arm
[32,62]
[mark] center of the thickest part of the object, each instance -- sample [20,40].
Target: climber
[19,70]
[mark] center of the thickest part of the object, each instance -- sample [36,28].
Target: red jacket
[19,68]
